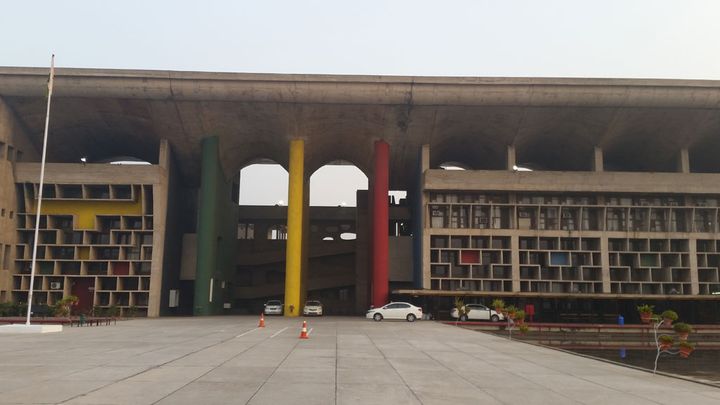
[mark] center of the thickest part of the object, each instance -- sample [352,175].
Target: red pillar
[380,213]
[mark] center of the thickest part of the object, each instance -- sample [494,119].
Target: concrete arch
[250,184]
[478,152]
[556,151]
[347,190]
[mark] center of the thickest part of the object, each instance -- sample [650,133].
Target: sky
[551,38]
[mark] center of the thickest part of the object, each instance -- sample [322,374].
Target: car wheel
[411,318]
[378,317]
[463,318]
[494,318]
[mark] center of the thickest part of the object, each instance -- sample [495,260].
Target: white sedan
[477,312]
[395,310]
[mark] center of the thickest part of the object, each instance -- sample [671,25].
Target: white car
[313,308]
[395,310]
[273,307]
[477,312]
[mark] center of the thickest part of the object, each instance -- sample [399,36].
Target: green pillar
[207,229]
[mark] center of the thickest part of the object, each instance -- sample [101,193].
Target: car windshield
[312,303]
[273,302]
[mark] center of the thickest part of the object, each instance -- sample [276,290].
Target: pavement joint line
[310,331]
[279,332]
[660,372]
[158,366]
[139,354]
[392,366]
[219,365]
[274,371]
[542,365]
[247,332]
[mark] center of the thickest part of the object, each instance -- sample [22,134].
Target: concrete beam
[630,182]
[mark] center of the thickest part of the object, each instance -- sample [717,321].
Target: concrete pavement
[227,360]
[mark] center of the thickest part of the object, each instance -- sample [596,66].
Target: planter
[665,346]
[645,317]
[667,322]
[499,310]
[511,315]
[520,321]
[685,351]
[683,336]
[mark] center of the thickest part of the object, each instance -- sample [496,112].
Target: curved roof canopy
[553,123]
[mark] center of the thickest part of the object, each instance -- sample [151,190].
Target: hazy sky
[568,38]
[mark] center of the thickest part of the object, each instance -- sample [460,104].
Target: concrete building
[579,196]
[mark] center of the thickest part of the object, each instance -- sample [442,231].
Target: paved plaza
[227,360]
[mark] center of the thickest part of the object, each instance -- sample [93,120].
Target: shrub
[520,315]
[113,311]
[681,327]
[645,309]
[666,339]
[687,344]
[62,307]
[523,329]
[669,314]
[498,303]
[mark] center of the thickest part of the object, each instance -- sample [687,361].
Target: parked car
[477,312]
[313,308]
[395,310]
[273,307]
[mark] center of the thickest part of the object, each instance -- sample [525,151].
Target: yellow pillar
[305,243]
[293,256]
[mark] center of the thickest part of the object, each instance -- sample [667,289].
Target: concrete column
[511,160]
[293,258]
[692,251]
[419,202]
[160,211]
[515,259]
[684,161]
[605,263]
[305,254]
[380,214]
[207,229]
[598,164]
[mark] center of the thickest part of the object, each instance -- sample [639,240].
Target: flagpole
[40,191]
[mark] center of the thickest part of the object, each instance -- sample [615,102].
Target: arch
[121,160]
[557,151]
[641,152]
[263,183]
[469,151]
[336,184]
[453,166]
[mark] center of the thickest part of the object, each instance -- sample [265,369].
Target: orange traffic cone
[262,320]
[303,332]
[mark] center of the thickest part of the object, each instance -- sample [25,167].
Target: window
[246,231]
[277,232]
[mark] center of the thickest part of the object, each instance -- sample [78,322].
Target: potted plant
[686,348]
[520,317]
[683,330]
[666,342]
[511,311]
[499,305]
[523,328]
[460,306]
[669,316]
[62,307]
[646,312]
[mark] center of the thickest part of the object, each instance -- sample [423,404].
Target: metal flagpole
[40,191]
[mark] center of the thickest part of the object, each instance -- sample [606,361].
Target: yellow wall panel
[85,211]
